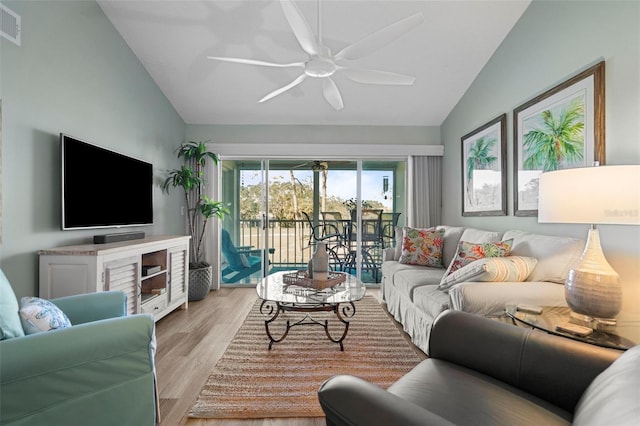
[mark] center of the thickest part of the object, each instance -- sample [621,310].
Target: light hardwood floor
[191,341]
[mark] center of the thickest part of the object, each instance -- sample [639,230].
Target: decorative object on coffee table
[594,195]
[302,279]
[320,261]
[190,177]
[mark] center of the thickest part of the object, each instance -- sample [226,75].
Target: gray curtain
[425,191]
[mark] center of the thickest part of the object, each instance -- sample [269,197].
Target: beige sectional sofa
[415,297]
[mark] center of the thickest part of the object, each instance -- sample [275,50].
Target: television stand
[153,272]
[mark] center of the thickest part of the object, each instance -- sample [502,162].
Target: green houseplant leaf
[190,177]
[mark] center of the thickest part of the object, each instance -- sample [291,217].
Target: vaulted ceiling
[172,39]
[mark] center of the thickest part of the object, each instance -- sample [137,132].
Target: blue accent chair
[99,371]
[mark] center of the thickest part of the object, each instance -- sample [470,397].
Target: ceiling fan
[320,165]
[316,165]
[323,64]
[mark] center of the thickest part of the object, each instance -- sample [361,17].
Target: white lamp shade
[593,195]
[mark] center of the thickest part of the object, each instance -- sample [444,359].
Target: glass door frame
[264,152]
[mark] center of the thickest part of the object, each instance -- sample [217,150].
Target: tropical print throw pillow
[422,247]
[470,252]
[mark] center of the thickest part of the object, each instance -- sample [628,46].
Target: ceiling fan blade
[255,62]
[377,77]
[331,93]
[380,38]
[300,27]
[283,89]
[300,165]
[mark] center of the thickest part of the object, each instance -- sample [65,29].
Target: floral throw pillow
[39,315]
[422,247]
[470,252]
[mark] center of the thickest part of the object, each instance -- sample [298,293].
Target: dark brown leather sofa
[484,372]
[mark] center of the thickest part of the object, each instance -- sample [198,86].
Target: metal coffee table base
[341,310]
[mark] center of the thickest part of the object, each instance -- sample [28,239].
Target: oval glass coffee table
[279,297]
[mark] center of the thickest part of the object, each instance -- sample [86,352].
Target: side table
[623,336]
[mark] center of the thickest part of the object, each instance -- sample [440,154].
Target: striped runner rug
[251,381]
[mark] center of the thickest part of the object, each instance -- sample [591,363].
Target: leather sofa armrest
[349,400]
[89,307]
[553,368]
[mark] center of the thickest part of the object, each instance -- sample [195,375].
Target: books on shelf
[150,269]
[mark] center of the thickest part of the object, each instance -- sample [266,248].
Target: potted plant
[200,208]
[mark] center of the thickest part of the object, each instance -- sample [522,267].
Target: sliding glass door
[244,251]
[281,209]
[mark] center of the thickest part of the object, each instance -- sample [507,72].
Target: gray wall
[552,41]
[74,74]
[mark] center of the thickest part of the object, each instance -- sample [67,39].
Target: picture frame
[484,171]
[574,109]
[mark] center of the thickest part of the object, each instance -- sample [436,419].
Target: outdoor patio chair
[334,239]
[370,238]
[241,261]
[319,232]
[389,223]
[334,224]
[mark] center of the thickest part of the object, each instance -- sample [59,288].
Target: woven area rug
[251,381]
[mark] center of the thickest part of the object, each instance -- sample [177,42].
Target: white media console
[153,272]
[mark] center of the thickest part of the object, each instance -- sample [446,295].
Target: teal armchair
[100,371]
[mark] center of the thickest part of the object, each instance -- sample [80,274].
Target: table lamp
[593,195]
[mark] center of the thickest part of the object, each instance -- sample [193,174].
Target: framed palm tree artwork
[562,128]
[484,176]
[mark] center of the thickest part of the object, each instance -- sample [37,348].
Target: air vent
[9,25]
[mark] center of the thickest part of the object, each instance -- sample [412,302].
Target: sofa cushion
[490,298]
[407,280]
[398,246]
[555,254]
[422,246]
[496,269]
[431,300]
[10,325]
[480,236]
[470,252]
[450,238]
[612,398]
[39,315]
[390,267]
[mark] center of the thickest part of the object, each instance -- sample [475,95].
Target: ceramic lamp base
[592,287]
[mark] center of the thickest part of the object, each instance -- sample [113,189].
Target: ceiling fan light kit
[322,64]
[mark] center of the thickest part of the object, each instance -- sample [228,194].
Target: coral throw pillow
[422,247]
[470,252]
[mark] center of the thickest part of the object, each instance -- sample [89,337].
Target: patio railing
[289,238]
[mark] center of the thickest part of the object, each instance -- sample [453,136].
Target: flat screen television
[102,188]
